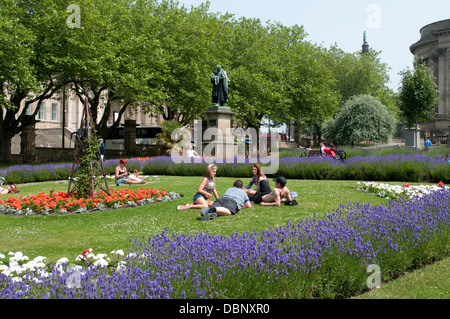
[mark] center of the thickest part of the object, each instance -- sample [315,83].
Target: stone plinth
[218,140]
[411,137]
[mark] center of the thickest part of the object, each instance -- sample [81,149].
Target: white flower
[121,268]
[119,252]
[61,261]
[99,256]
[42,273]
[16,279]
[78,268]
[7,272]
[101,263]
[386,190]
[90,255]
[18,256]
[2,256]
[132,255]
[39,259]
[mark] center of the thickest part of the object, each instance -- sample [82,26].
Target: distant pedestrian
[428,145]
[102,150]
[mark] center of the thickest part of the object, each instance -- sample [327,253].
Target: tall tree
[362,73]
[114,58]
[312,88]
[28,50]
[187,39]
[257,72]
[418,95]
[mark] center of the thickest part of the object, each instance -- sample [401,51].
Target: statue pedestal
[218,140]
[411,139]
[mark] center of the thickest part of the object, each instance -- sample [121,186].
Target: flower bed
[60,203]
[407,191]
[315,258]
[404,168]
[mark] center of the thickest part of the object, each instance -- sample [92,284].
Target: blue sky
[391,26]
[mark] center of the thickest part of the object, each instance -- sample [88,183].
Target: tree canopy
[418,95]
[156,56]
[362,118]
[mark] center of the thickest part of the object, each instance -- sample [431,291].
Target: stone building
[434,49]
[53,122]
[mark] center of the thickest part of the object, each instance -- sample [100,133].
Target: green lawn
[66,236]
[431,282]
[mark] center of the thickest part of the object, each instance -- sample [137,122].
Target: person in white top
[191,153]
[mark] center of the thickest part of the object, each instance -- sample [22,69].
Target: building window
[41,113]
[54,111]
[28,111]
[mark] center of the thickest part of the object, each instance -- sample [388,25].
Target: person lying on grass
[280,194]
[230,203]
[11,189]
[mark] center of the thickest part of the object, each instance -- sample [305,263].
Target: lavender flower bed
[20,174]
[405,168]
[316,258]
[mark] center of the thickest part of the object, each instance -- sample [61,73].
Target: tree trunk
[5,148]
[319,133]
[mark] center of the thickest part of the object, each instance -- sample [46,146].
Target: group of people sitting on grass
[237,197]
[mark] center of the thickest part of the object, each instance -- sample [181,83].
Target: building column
[442,82]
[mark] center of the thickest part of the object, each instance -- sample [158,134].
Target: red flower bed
[59,202]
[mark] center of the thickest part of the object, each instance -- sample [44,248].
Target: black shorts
[257,198]
[227,203]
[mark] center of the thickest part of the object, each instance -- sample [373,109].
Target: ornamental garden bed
[408,168]
[325,257]
[58,203]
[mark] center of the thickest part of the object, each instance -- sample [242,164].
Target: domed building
[434,49]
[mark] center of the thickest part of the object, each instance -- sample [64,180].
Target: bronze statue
[220,81]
